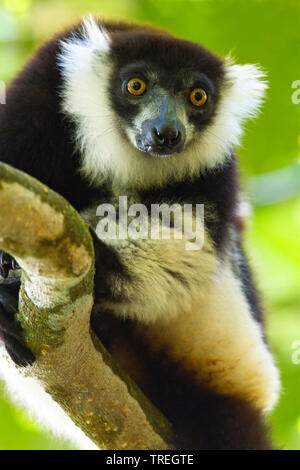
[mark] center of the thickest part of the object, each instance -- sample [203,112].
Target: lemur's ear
[245,89]
[95,34]
[78,51]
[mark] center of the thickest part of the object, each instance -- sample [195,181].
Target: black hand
[108,265]
[7,263]
[10,329]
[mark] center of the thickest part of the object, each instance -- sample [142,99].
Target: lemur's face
[136,93]
[164,91]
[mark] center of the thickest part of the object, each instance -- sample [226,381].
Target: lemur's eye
[198,97]
[136,86]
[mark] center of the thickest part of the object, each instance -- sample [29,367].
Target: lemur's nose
[167,136]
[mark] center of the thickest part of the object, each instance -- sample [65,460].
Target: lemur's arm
[150,279]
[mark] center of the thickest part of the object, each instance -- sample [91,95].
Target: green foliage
[19,432]
[273,245]
[261,31]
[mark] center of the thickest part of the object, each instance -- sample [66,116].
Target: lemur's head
[149,107]
[164,90]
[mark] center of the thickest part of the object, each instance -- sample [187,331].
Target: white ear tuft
[95,34]
[77,52]
[246,89]
[240,99]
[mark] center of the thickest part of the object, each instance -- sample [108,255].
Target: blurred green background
[260,31]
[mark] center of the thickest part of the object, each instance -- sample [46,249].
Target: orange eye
[198,97]
[136,86]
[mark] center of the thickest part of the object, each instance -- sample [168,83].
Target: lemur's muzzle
[164,134]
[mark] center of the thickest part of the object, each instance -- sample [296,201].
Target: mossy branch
[53,246]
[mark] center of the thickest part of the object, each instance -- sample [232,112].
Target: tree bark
[53,246]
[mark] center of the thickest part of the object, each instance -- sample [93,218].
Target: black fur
[34,135]
[10,329]
[249,288]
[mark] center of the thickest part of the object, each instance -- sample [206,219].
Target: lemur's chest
[154,218]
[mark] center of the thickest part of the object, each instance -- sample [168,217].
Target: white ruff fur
[86,69]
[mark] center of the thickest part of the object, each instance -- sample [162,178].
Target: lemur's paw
[11,330]
[20,354]
[7,263]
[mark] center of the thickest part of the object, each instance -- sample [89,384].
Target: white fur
[155,293]
[240,100]
[86,70]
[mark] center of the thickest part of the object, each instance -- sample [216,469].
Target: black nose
[167,136]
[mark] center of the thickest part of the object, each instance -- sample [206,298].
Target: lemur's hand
[7,263]
[10,329]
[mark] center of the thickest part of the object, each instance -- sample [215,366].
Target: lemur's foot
[7,263]
[10,329]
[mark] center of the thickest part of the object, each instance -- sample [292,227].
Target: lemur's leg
[220,344]
[218,422]
[208,369]
[201,418]
[10,328]
[192,305]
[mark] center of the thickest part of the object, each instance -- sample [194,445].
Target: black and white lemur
[113,109]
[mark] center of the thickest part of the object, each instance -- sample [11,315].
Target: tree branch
[53,246]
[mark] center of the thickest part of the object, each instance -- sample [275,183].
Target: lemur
[108,109]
